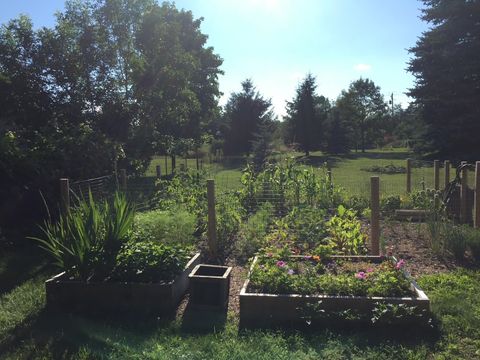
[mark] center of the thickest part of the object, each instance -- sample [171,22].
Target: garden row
[304,238]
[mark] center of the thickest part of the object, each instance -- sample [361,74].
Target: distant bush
[387,169]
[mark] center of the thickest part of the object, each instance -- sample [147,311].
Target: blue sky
[276,42]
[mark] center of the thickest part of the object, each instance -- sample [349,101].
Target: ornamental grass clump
[86,240]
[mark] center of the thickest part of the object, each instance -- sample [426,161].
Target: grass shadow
[20,266]
[203,321]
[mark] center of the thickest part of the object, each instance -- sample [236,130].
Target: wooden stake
[476,219]
[375,215]
[447,172]
[159,171]
[64,196]
[409,176]
[166,164]
[436,174]
[212,219]
[463,195]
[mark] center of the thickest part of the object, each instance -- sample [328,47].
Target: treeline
[110,84]
[358,119]
[114,82]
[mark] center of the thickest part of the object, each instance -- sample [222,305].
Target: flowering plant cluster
[312,275]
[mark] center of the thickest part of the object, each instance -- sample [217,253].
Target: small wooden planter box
[272,310]
[116,297]
[209,286]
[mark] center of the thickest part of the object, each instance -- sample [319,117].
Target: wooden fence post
[375,215]
[436,174]
[447,172]
[159,171]
[409,176]
[476,219]
[212,219]
[329,176]
[123,180]
[64,195]
[166,164]
[463,195]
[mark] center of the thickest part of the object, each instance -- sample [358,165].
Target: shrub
[229,217]
[150,261]
[455,237]
[473,242]
[166,226]
[253,232]
[357,203]
[390,203]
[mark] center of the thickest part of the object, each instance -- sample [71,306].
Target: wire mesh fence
[352,177]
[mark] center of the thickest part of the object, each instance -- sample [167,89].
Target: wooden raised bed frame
[118,297]
[272,310]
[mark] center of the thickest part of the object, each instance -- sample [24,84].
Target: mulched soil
[408,241]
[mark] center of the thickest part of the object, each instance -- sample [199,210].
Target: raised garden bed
[118,297]
[295,310]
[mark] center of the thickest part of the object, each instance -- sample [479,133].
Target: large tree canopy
[363,105]
[113,80]
[447,69]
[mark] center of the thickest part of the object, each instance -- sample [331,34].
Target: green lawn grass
[28,331]
[347,170]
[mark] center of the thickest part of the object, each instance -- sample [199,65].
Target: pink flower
[361,275]
[270,254]
[369,270]
[291,272]
[307,257]
[281,263]
[400,264]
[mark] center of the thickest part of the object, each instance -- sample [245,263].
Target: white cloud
[363,67]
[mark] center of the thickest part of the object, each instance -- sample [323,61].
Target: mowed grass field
[348,171]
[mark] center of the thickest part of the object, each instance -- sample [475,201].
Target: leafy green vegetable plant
[345,233]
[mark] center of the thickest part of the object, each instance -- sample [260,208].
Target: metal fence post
[409,176]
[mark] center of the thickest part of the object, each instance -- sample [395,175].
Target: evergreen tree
[338,140]
[446,65]
[244,113]
[305,114]
[261,146]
